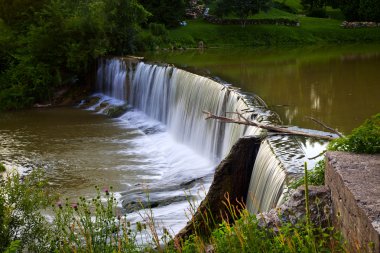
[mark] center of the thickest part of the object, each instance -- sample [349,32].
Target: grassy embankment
[310,31]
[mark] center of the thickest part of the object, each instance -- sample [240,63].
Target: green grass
[311,31]
[274,13]
[295,4]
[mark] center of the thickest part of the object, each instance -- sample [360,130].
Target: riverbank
[311,31]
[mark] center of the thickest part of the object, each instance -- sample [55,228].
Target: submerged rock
[114,111]
[88,102]
[101,106]
[145,202]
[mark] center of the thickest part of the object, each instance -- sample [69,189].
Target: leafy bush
[92,226]
[282,6]
[363,10]
[317,13]
[21,223]
[364,139]
[158,29]
[315,177]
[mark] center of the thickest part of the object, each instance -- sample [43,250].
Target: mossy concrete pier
[354,181]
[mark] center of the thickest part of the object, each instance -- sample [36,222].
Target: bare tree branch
[325,126]
[271,128]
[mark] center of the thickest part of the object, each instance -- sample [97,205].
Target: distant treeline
[46,44]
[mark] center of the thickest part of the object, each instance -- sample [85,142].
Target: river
[80,149]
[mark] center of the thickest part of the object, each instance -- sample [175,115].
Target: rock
[143,202]
[101,106]
[362,24]
[116,111]
[293,210]
[88,102]
[231,178]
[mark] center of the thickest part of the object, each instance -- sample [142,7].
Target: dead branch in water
[325,126]
[274,129]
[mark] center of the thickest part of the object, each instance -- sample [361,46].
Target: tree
[314,8]
[361,10]
[124,18]
[51,43]
[168,12]
[242,8]
[369,10]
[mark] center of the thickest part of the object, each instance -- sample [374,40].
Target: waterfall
[267,180]
[111,79]
[177,98]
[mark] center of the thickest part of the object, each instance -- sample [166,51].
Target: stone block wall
[354,181]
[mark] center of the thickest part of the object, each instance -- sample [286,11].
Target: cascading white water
[267,181]
[111,79]
[177,98]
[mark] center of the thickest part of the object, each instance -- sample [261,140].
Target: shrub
[21,223]
[92,226]
[158,30]
[315,177]
[317,13]
[364,139]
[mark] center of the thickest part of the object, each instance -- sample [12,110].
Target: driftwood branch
[325,126]
[271,128]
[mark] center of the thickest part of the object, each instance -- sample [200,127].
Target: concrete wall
[354,181]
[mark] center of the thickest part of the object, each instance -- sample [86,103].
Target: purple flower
[106,191]
[75,206]
[59,204]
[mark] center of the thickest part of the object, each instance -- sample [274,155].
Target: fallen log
[273,129]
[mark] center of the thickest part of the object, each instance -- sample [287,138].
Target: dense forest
[47,44]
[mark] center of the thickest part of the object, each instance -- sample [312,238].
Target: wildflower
[106,191]
[75,206]
[59,204]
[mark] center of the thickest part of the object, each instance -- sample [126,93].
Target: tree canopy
[45,44]
[242,8]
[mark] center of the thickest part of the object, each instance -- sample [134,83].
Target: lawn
[310,31]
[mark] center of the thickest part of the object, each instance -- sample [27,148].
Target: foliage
[314,8]
[52,43]
[2,168]
[158,29]
[242,9]
[249,234]
[282,6]
[370,10]
[364,139]
[311,31]
[167,12]
[316,176]
[21,224]
[13,247]
[361,10]
[92,226]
